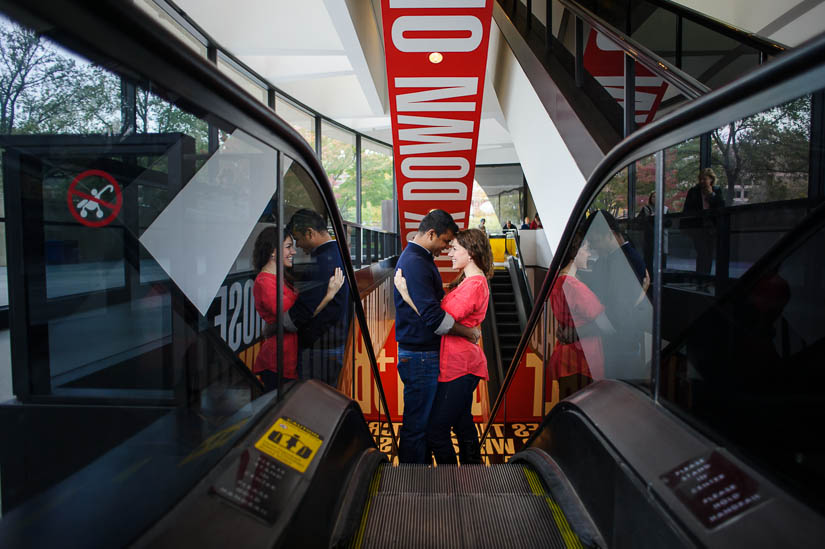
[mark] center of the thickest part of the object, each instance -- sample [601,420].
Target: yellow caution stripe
[358,539]
[571,540]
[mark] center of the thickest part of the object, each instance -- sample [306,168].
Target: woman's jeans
[419,372]
[452,410]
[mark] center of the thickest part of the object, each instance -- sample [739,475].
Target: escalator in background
[583,54]
[505,317]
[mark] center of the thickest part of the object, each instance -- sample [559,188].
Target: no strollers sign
[92,202]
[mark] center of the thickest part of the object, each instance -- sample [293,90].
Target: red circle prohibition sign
[90,210]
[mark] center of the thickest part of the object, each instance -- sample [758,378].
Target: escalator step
[449,479]
[461,520]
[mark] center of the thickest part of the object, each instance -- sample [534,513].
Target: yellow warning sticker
[290,443]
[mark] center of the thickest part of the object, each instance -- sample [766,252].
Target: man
[620,281]
[482,226]
[526,225]
[419,336]
[322,338]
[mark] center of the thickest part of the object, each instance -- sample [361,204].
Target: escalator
[625,461]
[507,321]
[582,55]
[468,506]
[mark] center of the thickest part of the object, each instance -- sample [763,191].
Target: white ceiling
[329,53]
[318,51]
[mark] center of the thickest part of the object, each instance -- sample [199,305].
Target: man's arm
[420,287]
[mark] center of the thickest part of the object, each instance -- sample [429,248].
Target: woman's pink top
[467,304]
[574,304]
[266,303]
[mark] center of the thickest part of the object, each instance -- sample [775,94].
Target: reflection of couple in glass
[440,361]
[600,325]
[265,291]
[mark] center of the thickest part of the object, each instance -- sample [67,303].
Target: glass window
[764,158]
[302,121]
[95,166]
[509,207]
[376,186]
[749,365]
[743,294]
[228,68]
[338,157]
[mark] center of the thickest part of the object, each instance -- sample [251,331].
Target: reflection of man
[619,279]
[419,337]
[321,340]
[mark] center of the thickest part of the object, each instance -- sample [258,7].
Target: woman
[461,363]
[265,291]
[704,196]
[575,364]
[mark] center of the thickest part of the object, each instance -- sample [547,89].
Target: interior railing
[673,54]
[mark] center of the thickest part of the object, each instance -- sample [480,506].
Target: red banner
[436,52]
[605,61]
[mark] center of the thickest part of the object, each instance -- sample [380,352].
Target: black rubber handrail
[126,34]
[685,83]
[796,73]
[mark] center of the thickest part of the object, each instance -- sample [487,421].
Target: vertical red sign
[436,52]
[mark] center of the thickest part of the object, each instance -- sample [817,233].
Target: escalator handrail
[784,78]
[768,47]
[127,20]
[668,71]
[522,267]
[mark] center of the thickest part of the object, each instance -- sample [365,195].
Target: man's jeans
[419,372]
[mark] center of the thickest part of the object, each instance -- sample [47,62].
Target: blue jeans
[452,409]
[419,372]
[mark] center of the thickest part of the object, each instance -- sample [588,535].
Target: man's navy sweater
[414,332]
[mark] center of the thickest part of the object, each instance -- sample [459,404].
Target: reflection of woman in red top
[577,310]
[265,262]
[461,363]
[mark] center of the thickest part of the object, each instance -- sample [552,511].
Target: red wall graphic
[436,52]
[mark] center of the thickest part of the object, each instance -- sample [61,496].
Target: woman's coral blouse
[266,303]
[467,304]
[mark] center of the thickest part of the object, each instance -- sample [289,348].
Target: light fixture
[436,57]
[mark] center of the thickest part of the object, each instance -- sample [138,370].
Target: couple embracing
[439,359]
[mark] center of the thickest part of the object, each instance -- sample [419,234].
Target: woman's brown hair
[710,173]
[478,246]
[265,245]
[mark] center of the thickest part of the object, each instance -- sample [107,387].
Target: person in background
[462,363]
[265,293]
[482,226]
[704,196]
[419,333]
[536,224]
[508,226]
[644,221]
[526,224]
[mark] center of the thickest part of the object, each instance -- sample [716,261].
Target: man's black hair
[438,220]
[305,219]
